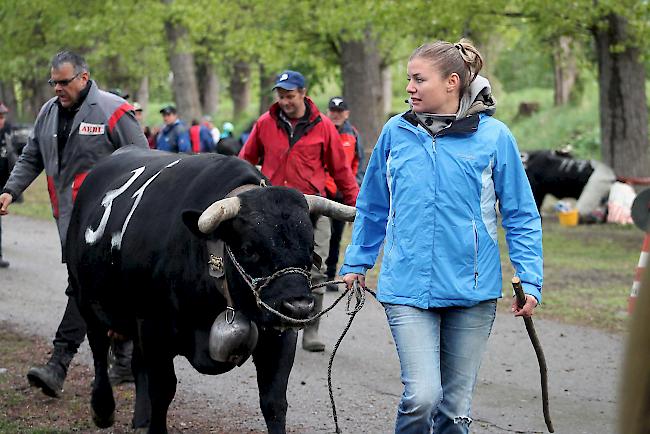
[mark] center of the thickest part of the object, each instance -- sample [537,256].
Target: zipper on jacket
[475,253]
[392,222]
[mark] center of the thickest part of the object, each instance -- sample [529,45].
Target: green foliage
[125,40]
[525,64]
[554,127]
[123,36]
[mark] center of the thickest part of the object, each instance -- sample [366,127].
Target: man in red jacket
[294,144]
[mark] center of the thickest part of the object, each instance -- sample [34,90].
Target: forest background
[582,64]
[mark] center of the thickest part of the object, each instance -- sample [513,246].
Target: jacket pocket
[475,253]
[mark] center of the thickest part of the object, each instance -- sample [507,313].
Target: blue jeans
[440,352]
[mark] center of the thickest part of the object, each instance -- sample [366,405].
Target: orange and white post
[638,275]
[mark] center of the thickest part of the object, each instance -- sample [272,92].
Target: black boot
[3,263]
[119,362]
[50,377]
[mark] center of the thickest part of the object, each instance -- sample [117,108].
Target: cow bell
[232,337]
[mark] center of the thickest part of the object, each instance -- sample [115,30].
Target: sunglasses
[63,83]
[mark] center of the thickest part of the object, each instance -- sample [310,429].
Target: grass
[36,201]
[552,127]
[588,273]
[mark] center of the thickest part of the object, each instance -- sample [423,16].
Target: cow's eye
[250,253]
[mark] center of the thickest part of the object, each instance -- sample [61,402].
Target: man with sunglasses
[72,132]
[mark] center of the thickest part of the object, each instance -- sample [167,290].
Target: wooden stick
[530,328]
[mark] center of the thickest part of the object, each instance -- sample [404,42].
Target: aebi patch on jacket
[433,201]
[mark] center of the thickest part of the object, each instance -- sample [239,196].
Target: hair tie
[466,60]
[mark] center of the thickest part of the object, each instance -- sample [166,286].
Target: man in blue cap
[295,144]
[174,136]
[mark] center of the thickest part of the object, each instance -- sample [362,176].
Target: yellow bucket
[568,218]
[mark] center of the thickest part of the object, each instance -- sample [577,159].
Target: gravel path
[583,363]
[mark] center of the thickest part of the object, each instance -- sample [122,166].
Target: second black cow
[563,176]
[145,262]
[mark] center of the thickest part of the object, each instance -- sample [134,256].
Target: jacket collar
[87,105]
[467,125]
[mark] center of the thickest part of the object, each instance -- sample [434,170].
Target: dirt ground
[29,410]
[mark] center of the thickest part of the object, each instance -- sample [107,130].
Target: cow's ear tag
[215,263]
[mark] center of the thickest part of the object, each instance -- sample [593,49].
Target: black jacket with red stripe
[103,123]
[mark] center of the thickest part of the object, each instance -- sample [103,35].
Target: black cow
[556,173]
[138,261]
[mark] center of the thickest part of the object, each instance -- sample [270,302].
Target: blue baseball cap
[289,80]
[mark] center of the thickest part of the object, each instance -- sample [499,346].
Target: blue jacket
[174,138]
[434,204]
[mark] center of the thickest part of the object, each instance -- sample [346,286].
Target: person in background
[339,112]
[295,144]
[214,131]
[201,138]
[7,160]
[139,116]
[226,130]
[429,196]
[173,137]
[74,130]
[228,144]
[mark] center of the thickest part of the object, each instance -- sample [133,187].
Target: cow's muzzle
[298,308]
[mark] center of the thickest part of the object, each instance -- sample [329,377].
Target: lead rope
[360,299]
[359,294]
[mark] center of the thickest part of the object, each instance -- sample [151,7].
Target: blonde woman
[430,192]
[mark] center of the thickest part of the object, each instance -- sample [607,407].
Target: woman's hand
[528,309]
[351,277]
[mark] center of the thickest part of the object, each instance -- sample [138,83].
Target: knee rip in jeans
[465,420]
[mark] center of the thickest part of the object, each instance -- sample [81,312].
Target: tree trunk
[386,90]
[266,94]
[35,94]
[362,87]
[142,95]
[208,87]
[623,109]
[8,98]
[240,87]
[181,62]
[566,70]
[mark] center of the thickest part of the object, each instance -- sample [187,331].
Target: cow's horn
[329,208]
[218,212]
